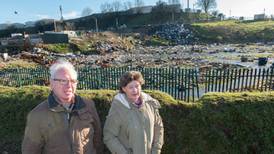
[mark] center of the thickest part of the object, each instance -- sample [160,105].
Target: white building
[142,9]
[259,16]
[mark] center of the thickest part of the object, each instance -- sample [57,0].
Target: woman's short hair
[62,64]
[130,76]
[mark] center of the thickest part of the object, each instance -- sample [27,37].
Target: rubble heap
[107,42]
[176,33]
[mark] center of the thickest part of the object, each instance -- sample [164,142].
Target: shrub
[217,123]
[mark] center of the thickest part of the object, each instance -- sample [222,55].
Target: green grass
[18,64]
[235,31]
[156,41]
[58,48]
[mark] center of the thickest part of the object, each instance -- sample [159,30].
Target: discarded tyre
[244,59]
[262,61]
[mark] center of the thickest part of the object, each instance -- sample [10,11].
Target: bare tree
[221,16]
[139,3]
[106,7]
[206,5]
[161,10]
[117,6]
[103,7]
[86,11]
[173,2]
[127,5]
[215,13]
[161,3]
[43,22]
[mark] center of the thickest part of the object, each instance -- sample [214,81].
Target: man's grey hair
[62,64]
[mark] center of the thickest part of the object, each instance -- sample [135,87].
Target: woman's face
[133,90]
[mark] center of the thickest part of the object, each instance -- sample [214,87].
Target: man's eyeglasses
[65,82]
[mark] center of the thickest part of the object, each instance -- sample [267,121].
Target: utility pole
[96,24]
[172,17]
[117,22]
[61,12]
[187,7]
[55,27]
[264,14]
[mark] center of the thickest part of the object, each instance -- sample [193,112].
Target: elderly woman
[133,125]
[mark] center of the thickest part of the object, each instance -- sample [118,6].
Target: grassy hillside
[232,31]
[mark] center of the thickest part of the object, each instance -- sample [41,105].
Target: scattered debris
[108,49]
[244,59]
[176,33]
[262,61]
[5,56]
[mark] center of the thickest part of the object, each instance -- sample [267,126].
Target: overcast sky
[12,11]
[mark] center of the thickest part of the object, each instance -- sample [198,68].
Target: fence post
[271,78]
[197,81]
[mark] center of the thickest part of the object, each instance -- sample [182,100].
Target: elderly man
[65,123]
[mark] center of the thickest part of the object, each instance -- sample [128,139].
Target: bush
[217,123]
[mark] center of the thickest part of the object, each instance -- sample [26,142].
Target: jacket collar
[57,107]
[122,98]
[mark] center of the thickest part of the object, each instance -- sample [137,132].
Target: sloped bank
[218,123]
[234,31]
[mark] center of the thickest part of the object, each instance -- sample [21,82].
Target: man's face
[133,90]
[64,86]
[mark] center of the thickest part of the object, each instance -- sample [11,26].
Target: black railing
[236,80]
[183,84]
[179,83]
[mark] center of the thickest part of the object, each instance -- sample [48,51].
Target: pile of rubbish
[108,42]
[176,33]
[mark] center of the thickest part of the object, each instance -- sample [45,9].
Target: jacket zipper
[69,115]
[70,134]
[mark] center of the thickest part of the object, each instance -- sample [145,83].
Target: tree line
[116,6]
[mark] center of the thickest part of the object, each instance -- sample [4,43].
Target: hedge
[217,123]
